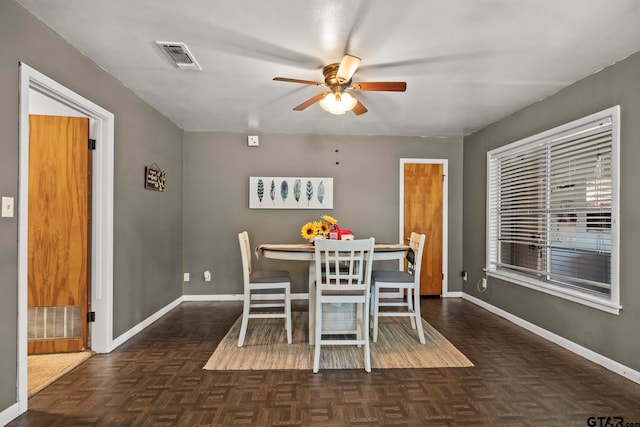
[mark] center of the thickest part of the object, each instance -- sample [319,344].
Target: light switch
[7,207]
[253,141]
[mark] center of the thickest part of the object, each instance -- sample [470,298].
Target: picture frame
[154,178]
[290,192]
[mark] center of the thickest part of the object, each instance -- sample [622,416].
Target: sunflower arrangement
[313,229]
[329,220]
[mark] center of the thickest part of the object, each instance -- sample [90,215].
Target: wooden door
[58,233]
[423,190]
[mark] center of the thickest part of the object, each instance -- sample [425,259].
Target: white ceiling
[467,63]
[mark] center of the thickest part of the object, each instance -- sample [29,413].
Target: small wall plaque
[154,178]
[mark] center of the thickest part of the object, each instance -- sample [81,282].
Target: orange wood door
[423,214]
[58,233]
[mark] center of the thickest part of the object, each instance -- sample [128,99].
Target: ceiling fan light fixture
[337,78]
[338,103]
[347,67]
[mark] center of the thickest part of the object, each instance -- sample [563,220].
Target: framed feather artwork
[267,192]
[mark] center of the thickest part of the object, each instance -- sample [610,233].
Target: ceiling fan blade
[347,67]
[380,86]
[452,59]
[304,82]
[311,101]
[359,108]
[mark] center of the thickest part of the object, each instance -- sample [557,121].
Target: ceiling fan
[337,77]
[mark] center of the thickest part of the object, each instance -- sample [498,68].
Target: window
[552,211]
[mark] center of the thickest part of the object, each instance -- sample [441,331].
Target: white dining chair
[404,281]
[273,282]
[343,275]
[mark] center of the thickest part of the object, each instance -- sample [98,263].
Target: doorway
[101,246]
[423,209]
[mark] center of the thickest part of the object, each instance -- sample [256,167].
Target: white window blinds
[550,207]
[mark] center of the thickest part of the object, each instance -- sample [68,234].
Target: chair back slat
[343,263]
[414,254]
[411,259]
[245,252]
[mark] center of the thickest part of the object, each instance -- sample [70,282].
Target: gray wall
[217,167]
[148,225]
[617,337]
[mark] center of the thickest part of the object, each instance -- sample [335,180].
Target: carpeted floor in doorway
[43,369]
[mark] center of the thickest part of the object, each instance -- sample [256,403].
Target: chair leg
[245,319]
[376,310]
[367,346]
[318,320]
[410,299]
[418,317]
[287,311]
[358,322]
[372,301]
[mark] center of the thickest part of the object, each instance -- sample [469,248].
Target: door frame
[445,210]
[101,281]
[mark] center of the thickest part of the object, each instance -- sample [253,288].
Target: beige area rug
[43,369]
[265,347]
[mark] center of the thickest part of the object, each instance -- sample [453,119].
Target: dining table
[306,252]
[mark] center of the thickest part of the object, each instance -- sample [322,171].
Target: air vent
[180,55]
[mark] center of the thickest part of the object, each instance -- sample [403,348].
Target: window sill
[557,291]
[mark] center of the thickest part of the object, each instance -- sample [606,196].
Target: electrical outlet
[483,283]
[465,276]
[207,276]
[186,277]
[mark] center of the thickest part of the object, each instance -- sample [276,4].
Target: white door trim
[102,129]
[445,215]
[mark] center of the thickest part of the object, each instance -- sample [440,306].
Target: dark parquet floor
[156,379]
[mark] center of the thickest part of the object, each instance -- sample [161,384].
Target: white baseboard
[237,297]
[225,297]
[457,294]
[591,355]
[9,414]
[142,325]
